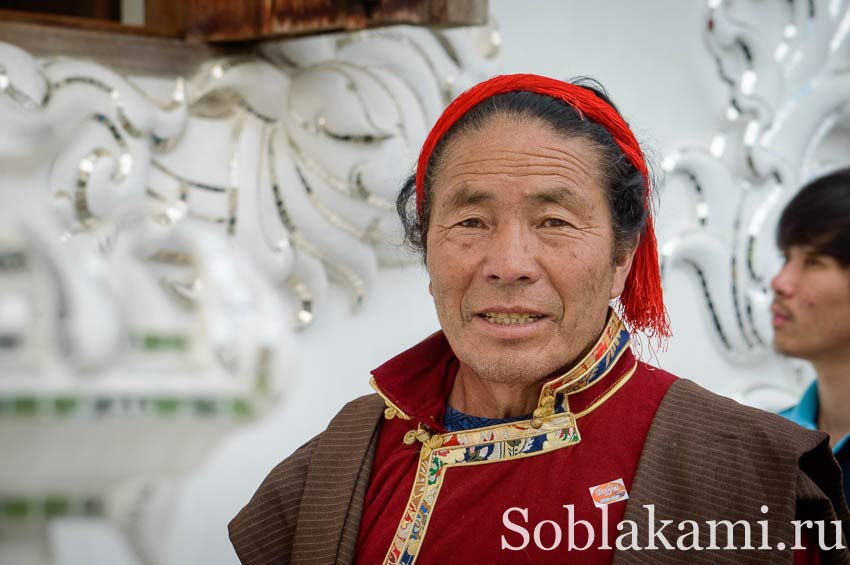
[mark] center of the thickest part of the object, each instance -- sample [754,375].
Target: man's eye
[554,223]
[471,223]
[812,261]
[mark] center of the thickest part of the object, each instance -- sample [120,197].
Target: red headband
[642,300]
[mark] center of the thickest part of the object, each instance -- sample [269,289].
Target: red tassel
[642,298]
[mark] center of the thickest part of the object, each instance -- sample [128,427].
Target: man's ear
[622,267]
[430,288]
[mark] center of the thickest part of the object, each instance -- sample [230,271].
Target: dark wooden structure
[177,35]
[244,20]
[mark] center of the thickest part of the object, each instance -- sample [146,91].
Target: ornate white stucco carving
[786,64]
[160,239]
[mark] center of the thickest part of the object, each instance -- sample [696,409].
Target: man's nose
[511,257]
[783,283]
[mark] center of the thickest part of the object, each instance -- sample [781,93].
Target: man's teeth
[507,319]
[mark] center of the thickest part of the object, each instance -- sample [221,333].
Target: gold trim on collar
[603,356]
[598,401]
[391,411]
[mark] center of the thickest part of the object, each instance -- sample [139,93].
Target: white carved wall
[223,246]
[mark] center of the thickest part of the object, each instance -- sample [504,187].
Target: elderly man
[811,307]
[526,430]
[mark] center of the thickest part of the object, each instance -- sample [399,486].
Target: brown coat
[705,458]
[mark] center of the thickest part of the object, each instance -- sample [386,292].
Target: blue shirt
[806,414]
[455,420]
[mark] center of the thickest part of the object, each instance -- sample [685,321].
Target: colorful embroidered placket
[504,442]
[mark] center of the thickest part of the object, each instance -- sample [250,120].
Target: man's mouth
[781,315]
[506,318]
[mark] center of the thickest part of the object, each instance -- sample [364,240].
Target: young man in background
[811,306]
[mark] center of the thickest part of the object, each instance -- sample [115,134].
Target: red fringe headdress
[642,300]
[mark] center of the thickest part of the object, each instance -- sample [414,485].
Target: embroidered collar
[416,383]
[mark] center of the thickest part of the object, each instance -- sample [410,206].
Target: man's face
[811,305]
[520,250]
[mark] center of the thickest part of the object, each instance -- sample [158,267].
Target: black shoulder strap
[820,497]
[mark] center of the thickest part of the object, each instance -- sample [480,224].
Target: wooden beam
[130,53]
[98,9]
[228,20]
[434,13]
[75,22]
[453,13]
[215,28]
[167,16]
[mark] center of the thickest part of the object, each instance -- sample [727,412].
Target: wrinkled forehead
[512,158]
